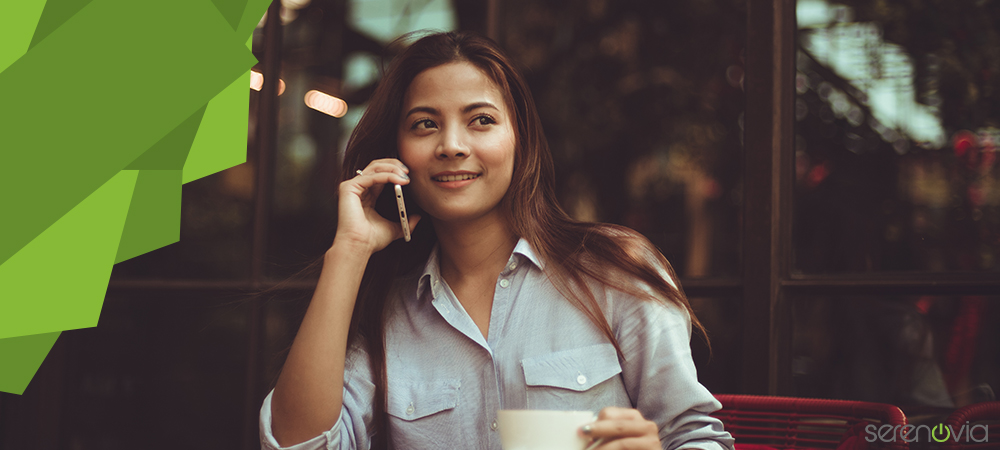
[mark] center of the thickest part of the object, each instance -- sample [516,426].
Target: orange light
[257,82]
[326,103]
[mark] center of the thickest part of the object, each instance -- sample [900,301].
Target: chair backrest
[805,423]
[975,426]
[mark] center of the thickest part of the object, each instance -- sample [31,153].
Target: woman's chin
[453,215]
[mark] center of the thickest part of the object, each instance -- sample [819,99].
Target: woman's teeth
[467,176]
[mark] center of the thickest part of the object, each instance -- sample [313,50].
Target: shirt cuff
[267,441]
[705,445]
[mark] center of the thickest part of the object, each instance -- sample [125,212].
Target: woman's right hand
[307,400]
[357,222]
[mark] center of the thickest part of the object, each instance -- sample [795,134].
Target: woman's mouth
[462,177]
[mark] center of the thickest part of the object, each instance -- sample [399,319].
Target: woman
[501,301]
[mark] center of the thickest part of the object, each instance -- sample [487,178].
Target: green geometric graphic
[56,13]
[232,10]
[171,151]
[28,352]
[221,141]
[66,288]
[108,106]
[17,25]
[154,215]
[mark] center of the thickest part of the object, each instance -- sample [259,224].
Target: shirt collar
[524,248]
[431,276]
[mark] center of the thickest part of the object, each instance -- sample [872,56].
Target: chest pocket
[579,379]
[412,400]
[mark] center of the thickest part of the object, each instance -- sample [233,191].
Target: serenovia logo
[938,433]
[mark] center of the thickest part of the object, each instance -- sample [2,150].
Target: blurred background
[881,277]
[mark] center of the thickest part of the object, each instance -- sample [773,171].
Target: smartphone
[401,206]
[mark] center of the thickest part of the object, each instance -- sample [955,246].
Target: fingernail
[404,166]
[405,177]
[585,429]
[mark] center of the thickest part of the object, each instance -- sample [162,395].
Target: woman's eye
[483,120]
[424,124]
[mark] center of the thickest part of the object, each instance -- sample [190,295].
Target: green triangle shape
[232,10]
[251,17]
[17,25]
[221,141]
[80,247]
[22,356]
[154,216]
[56,13]
[170,152]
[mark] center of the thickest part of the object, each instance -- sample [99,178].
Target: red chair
[969,422]
[803,423]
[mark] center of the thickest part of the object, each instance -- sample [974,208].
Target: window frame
[770,290]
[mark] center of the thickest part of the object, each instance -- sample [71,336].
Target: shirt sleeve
[660,375]
[351,430]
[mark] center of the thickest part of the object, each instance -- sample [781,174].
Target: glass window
[896,133]
[719,367]
[642,105]
[917,352]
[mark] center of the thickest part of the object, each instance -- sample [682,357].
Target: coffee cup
[543,430]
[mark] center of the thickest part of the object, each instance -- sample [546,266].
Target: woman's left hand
[623,428]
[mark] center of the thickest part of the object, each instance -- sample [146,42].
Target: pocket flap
[578,369]
[411,400]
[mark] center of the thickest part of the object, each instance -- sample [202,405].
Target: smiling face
[457,138]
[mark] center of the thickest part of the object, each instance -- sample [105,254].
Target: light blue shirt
[446,382]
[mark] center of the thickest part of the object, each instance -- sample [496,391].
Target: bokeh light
[326,103]
[257,82]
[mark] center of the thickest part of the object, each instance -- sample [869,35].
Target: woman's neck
[473,249]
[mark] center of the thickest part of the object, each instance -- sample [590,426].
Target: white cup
[543,430]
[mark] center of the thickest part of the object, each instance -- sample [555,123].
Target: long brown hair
[574,252]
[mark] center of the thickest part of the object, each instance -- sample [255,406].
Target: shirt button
[409,409]
[504,282]
[513,265]
[493,426]
[581,379]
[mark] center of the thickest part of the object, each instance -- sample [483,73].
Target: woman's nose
[452,145]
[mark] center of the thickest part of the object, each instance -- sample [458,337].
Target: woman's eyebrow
[467,109]
[478,105]
[426,109]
